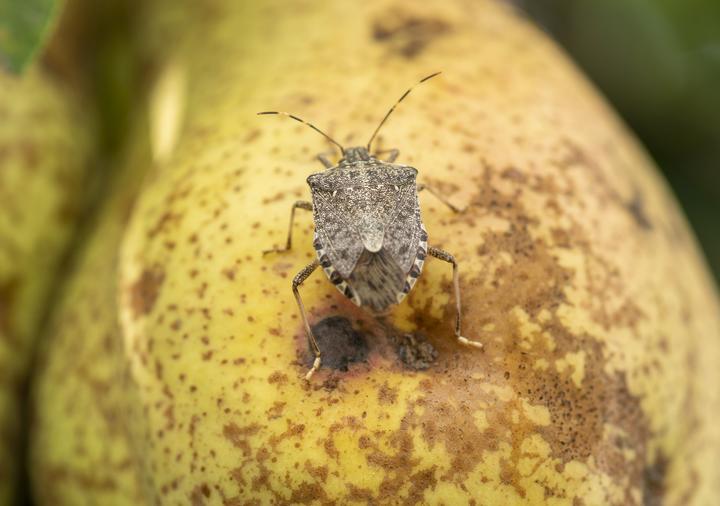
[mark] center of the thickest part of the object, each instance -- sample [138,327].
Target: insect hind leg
[297,281]
[439,196]
[447,257]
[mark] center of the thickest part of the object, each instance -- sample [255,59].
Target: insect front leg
[323,157]
[301,204]
[394,153]
[297,281]
[421,187]
[447,257]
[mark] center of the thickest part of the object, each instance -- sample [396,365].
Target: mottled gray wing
[333,216]
[363,208]
[402,236]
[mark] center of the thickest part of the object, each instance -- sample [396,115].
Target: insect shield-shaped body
[369,237]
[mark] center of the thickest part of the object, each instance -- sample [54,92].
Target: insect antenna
[396,104]
[342,150]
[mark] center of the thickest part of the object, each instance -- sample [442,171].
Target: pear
[600,323]
[80,439]
[45,151]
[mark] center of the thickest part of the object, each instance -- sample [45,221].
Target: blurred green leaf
[24,26]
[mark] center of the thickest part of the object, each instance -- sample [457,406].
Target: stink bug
[369,237]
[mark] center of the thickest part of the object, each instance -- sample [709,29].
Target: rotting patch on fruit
[340,344]
[415,351]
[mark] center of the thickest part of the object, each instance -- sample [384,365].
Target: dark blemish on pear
[341,344]
[415,352]
[145,290]
[407,35]
[654,476]
[636,208]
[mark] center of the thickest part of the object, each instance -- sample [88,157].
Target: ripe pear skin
[45,150]
[83,406]
[598,380]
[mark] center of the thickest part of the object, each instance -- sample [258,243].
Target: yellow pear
[45,150]
[598,379]
[81,450]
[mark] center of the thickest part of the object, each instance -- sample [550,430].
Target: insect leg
[394,153]
[324,160]
[421,187]
[299,204]
[297,281]
[447,257]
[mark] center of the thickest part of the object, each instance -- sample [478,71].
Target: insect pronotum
[369,237]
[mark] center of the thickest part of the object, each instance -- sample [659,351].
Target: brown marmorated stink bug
[369,237]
